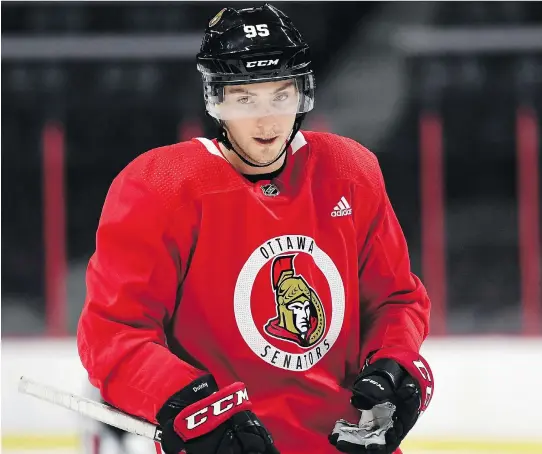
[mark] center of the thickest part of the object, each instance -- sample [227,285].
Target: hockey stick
[95,410]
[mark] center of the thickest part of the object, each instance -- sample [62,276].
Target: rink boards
[468,413]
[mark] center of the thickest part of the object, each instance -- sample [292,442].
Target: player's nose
[266,120]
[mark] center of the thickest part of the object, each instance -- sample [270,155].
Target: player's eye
[244,100]
[281,97]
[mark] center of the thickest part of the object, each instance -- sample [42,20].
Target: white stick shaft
[90,408]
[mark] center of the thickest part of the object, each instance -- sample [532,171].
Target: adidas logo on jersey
[341,209]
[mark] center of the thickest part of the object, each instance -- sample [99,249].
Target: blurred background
[447,94]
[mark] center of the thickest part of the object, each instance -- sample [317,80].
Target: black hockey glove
[201,419]
[378,383]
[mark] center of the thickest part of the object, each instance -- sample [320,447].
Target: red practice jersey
[285,285]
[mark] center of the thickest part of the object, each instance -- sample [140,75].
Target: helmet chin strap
[223,138]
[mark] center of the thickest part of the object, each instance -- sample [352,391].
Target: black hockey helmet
[254,45]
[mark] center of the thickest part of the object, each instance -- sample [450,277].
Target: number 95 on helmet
[252,46]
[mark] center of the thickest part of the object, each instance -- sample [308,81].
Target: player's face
[262,117]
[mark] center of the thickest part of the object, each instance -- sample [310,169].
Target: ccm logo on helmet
[260,63]
[217,408]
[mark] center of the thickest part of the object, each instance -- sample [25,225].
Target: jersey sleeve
[395,306]
[132,282]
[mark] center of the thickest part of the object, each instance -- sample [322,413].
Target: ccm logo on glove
[219,407]
[373,382]
[206,414]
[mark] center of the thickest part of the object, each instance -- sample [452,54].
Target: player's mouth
[266,141]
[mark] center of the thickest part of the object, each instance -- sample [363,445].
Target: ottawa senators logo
[289,302]
[300,314]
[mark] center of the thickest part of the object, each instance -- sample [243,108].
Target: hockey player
[252,293]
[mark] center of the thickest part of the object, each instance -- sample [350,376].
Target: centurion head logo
[289,302]
[300,314]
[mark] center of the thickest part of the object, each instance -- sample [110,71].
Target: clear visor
[260,99]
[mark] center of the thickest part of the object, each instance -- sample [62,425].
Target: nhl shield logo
[270,190]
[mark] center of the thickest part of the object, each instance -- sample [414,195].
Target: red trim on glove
[415,365]
[207,414]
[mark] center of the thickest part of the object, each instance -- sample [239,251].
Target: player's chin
[264,155]
[262,161]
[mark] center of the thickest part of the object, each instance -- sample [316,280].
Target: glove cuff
[197,390]
[386,368]
[207,414]
[415,365]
